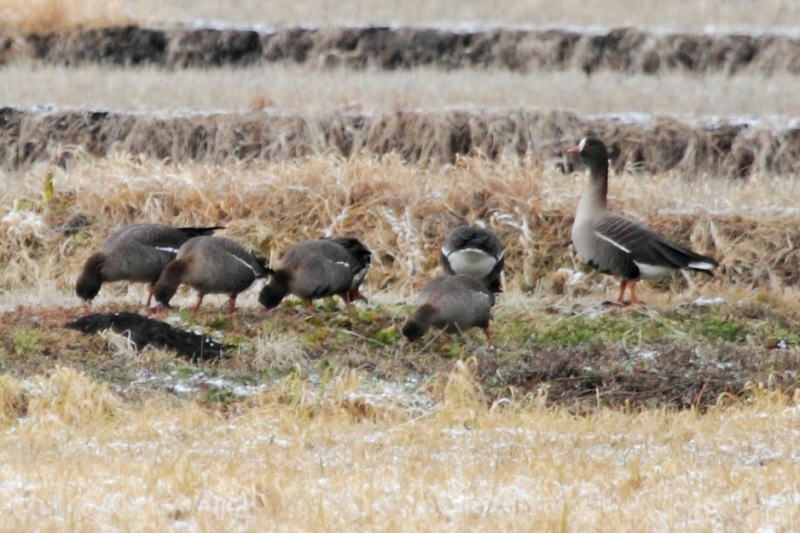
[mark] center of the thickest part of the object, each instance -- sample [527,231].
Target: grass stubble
[308,89]
[292,459]
[682,15]
[324,422]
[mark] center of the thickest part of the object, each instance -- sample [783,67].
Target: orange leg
[356,295]
[231,304]
[622,284]
[347,304]
[197,305]
[150,288]
[488,335]
[627,283]
[309,305]
[634,300]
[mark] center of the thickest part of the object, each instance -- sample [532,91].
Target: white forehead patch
[582,144]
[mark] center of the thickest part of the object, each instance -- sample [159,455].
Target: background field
[674,14]
[678,415]
[306,89]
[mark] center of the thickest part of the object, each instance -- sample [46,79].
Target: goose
[617,245]
[363,260]
[453,303]
[211,265]
[318,269]
[134,253]
[476,252]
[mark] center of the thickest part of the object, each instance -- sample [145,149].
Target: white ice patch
[707,302]
[24,223]
[574,276]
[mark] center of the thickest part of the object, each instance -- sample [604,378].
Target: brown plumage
[617,245]
[317,269]
[210,265]
[476,252]
[452,303]
[135,253]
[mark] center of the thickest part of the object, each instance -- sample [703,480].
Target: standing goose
[453,303]
[211,265]
[317,269]
[617,245]
[476,252]
[135,253]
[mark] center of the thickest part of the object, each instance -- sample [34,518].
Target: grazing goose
[617,245]
[135,253]
[363,260]
[317,269]
[476,252]
[211,265]
[452,303]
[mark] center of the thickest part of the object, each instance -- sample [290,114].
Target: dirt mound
[731,150]
[625,49]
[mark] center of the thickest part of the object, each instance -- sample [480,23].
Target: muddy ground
[682,356]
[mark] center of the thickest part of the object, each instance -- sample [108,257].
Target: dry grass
[48,15]
[301,458]
[364,449]
[401,211]
[314,90]
[680,14]
[41,16]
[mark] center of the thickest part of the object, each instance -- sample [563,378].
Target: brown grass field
[312,90]
[676,14]
[324,422]
[679,415]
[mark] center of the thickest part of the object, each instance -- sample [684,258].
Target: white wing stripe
[167,249]
[245,263]
[612,242]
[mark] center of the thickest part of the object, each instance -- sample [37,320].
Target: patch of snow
[574,276]
[708,302]
[183,388]
[645,355]
[485,26]
[22,222]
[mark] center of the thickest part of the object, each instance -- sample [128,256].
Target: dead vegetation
[680,415]
[348,455]
[551,332]
[401,211]
[695,15]
[45,16]
[733,150]
[291,88]
[627,50]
